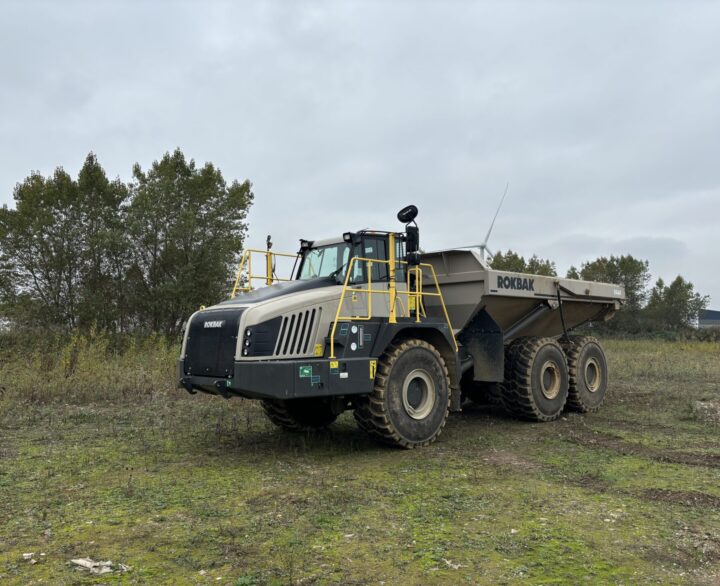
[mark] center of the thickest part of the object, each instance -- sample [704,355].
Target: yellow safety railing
[246,266]
[415,295]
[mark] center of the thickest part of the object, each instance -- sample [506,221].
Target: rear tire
[536,379]
[588,373]
[410,401]
[300,414]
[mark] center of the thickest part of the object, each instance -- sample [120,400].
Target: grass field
[108,461]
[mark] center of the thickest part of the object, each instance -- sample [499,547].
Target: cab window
[376,248]
[400,267]
[325,261]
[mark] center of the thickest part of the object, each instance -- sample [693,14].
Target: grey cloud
[603,116]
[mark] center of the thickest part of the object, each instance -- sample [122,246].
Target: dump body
[469,286]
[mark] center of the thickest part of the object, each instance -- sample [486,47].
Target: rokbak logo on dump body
[519,283]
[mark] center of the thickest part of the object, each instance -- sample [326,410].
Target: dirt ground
[198,490]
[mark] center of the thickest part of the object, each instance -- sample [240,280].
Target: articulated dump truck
[369,322]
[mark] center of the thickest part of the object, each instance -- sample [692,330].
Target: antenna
[483,247]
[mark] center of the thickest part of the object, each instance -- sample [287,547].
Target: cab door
[377,276]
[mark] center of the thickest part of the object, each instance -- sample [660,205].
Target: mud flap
[455,400]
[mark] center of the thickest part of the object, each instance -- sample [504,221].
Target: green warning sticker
[305,371]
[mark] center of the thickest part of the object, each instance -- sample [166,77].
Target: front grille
[211,342]
[297,332]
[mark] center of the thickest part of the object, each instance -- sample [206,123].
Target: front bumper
[287,379]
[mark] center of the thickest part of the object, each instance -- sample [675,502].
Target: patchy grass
[103,459]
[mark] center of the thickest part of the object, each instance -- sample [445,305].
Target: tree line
[91,252]
[662,307]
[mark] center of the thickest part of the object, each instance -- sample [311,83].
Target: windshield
[325,261]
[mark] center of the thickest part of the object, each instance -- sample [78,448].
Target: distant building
[709,318]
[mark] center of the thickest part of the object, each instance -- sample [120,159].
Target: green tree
[675,306]
[40,241]
[510,261]
[513,262]
[541,266]
[656,295]
[572,273]
[98,253]
[628,271]
[631,273]
[187,227]
[105,249]
[56,249]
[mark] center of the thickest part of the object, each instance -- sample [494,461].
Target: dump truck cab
[362,323]
[331,257]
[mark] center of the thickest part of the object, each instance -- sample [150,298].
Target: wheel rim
[593,376]
[550,380]
[418,394]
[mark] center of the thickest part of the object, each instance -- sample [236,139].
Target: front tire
[410,401]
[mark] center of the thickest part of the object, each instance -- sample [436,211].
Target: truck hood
[279,290]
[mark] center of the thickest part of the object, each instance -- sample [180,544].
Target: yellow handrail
[246,265]
[417,296]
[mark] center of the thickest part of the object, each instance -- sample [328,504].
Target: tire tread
[573,347]
[370,411]
[517,392]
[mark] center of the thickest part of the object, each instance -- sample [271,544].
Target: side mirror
[407,214]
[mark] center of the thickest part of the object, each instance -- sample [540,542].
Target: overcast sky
[604,117]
